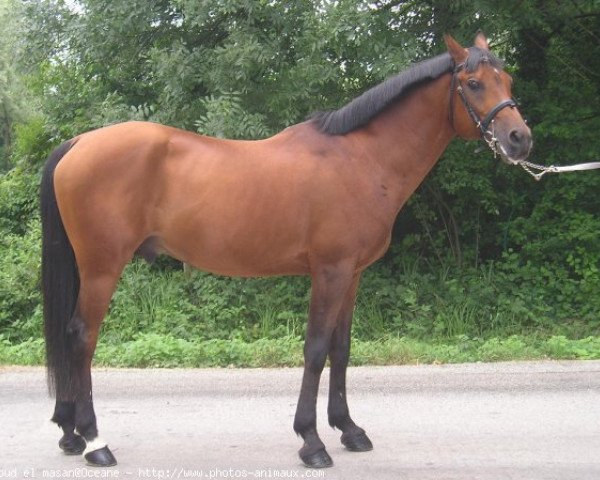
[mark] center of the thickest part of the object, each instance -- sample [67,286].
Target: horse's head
[481,104]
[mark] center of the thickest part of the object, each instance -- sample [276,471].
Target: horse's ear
[481,41]
[458,53]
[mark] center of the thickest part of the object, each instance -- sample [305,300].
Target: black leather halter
[482,125]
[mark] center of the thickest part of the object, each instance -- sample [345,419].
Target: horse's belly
[238,250]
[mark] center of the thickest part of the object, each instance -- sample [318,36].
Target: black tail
[60,285]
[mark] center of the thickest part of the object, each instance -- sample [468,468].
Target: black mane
[367,106]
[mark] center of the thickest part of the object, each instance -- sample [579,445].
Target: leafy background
[482,256]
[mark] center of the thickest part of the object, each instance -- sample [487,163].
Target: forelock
[478,56]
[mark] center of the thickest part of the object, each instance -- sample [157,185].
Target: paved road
[525,421]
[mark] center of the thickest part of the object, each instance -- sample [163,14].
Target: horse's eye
[473,84]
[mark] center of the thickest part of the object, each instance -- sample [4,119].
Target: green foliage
[20,309]
[15,100]
[167,351]
[225,117]
[194,305]
[562,347]
[18,201]
[28,352]
[153,350]
[485,264]
[33,143]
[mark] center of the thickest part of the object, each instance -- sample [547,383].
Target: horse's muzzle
[516,144]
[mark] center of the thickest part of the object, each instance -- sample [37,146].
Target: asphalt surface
[525,421]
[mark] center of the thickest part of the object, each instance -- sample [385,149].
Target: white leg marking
[95,444]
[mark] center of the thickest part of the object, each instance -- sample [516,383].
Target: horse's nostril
[516,137]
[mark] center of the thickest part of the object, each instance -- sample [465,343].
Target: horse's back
[231,207]
[242,207]
[220,205]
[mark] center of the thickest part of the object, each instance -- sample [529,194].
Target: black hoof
[102,457]
[318,459]
[357,442]
[72,444]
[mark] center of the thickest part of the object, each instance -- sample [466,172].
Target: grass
[167,351]
[199,320]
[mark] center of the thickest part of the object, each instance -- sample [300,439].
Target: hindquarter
[107,187]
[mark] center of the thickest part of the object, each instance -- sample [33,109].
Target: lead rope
[487,133]
[490,138]
[544,169]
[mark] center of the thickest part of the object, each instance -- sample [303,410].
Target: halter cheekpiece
[482,124]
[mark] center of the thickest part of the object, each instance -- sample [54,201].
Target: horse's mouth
[508,158]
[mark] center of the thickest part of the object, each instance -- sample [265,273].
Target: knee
[315,355]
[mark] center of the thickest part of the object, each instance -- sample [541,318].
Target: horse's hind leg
[96,290]
[354,438]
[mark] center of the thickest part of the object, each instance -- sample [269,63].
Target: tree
[13,96]
[249,68]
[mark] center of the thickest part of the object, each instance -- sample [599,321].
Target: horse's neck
[407,140]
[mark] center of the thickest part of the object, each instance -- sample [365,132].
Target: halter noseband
[482,125]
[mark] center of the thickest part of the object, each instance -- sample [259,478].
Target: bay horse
[319,198]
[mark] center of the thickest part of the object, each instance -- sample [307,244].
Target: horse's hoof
[318,459]
[102,457]
[72,444]
[357,441]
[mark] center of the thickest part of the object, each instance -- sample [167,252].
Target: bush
[18,201]
[196,305]
[20,299]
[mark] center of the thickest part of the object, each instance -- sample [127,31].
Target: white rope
[490,138]
[543,169]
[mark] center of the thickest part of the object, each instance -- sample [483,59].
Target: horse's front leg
[330,284]
[354,438]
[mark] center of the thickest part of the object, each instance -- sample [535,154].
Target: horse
[318,199]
